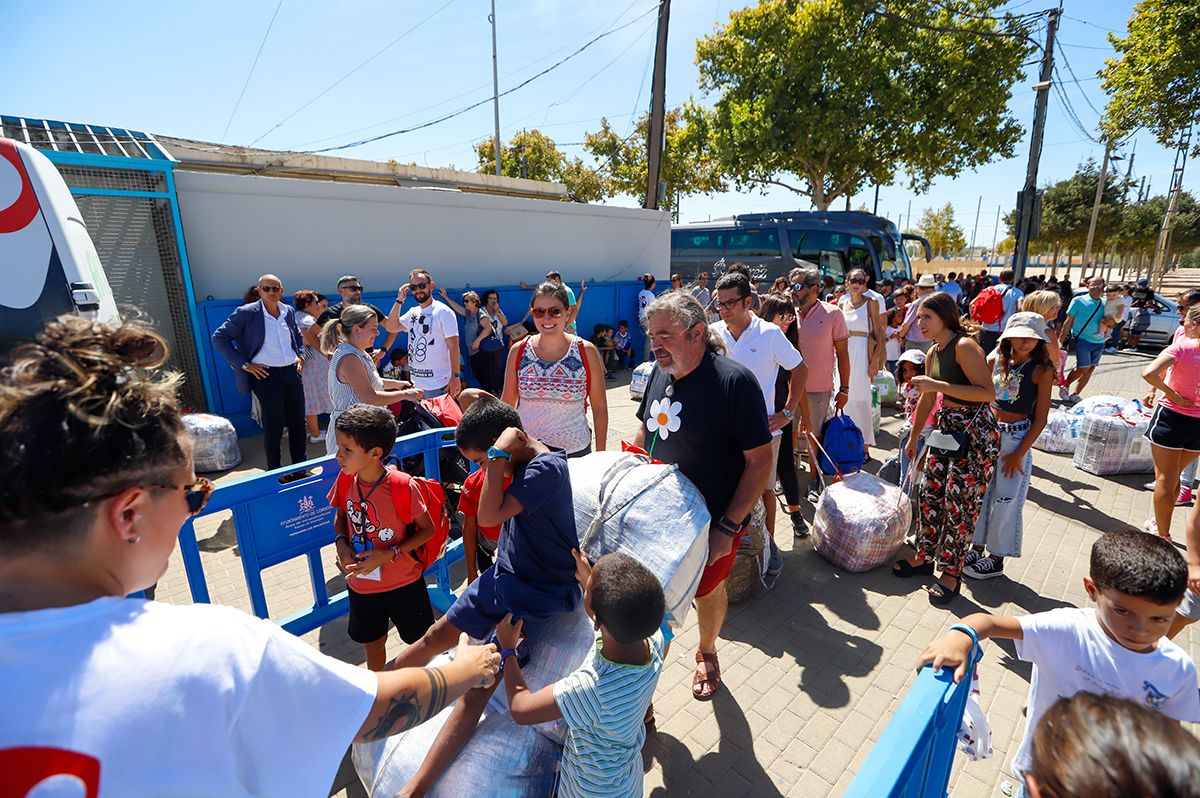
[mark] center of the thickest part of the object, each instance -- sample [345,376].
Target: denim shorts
[1087,354]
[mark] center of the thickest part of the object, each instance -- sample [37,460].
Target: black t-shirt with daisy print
[713,415]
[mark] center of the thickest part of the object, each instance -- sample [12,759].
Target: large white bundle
[749,573]
[649,511]
[876,410]
[1114,445]
[1103,405]
[501,759]
[640,379]
[860,522]
[885,381]
[214,442]
[1061,434]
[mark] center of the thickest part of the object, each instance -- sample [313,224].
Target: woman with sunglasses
[483,342]
[864,320]
[134,697]
[779,311]
[552,376]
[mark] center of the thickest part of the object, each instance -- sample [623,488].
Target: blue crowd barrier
[275,522]
[914,755]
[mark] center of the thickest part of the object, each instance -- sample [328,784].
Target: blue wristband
[506,653]
[968,631]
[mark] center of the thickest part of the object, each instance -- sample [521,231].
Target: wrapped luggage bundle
[1104,405]
[860,522]
[749,573]
[1114,444]
[1061,434]
[651,512]
[214,440]
[501,759]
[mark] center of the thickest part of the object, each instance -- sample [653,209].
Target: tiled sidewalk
[814,668]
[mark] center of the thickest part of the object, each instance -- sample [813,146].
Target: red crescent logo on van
[18,215]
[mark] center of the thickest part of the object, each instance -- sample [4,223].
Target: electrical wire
[331,86]
[472,106]
[1067,63]
[249,74]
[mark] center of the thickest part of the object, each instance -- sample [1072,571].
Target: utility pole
[1158,268]
[658,108]
[996,231]
[908,218]
[1129,173]
[975,229]
[495,87]
[876,211]
[1025,206]
[1087,247]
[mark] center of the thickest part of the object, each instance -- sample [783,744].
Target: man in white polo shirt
[761,347]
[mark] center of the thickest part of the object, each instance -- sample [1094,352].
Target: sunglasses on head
[541,313]
[270,289]
[417,286]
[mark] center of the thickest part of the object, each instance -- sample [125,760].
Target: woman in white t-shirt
[133,697]
[645,297]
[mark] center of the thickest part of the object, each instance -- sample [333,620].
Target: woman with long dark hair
[134,697]
[959,454]
[309,306]
[779,311]
[1023,376]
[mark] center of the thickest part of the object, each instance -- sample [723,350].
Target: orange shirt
[468,503]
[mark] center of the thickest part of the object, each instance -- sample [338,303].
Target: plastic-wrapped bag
[885,381]
[1114,445]
[860,522]
[650,511]
[749,573]
[640,379]
[1061,434]
[876,410]
[502,759]
[1106,406]
[215,442]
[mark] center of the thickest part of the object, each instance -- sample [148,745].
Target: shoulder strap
[587,372]
[399,485]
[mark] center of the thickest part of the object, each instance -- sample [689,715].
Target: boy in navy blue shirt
[533,577]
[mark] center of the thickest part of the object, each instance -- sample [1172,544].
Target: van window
[753,243]
[697,243]
[822,248]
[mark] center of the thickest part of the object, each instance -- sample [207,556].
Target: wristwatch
[788,414]
[844,389]
[457,374]
[494,453]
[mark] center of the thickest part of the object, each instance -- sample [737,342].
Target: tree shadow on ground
[684,775]
[1075,507]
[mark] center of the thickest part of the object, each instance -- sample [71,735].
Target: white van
[48,264]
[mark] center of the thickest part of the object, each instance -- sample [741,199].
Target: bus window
[827,250]
[753,243]
[697,243]
[860,256]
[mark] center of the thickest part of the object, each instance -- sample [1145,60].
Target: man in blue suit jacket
[263,345]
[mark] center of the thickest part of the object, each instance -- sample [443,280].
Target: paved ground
[814,668]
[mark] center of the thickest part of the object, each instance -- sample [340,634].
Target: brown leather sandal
[707,679]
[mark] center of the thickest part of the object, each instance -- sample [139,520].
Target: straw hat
[1025,325]
[926,281]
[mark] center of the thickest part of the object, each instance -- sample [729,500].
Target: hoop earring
[134,539]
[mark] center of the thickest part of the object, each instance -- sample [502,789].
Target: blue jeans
[1114,340]
[1000,525]
[905,463]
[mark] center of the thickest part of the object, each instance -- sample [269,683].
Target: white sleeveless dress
[858,407]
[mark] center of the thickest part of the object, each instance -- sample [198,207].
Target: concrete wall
[308,232]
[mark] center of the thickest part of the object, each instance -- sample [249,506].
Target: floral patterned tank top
[553,398]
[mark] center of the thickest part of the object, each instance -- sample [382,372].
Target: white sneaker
[1110,351]
[1151,526]
[316,438]
[1148,486]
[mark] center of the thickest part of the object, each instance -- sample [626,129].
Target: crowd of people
[100,466]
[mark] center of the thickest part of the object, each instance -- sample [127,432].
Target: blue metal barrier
[277,522]
[914,755]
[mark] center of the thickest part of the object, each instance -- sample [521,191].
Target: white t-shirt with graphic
[132,697]
[645,297]
[1071,653]
[428,355]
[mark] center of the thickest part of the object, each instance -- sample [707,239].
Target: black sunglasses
[353,287]
[195,493]
[417,286]
[270,289]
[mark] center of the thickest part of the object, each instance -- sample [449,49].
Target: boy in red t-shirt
[376,508]
[479,542]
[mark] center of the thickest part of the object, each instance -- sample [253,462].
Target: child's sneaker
[974,555]
[985,568]
[799,525]
[1149,485]
[1184,498]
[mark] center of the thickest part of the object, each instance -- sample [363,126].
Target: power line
[1067,62]
[472,106]
[1093,24]
[261,45]
[1108,49]
[331,86]
[988,34]
[447,100]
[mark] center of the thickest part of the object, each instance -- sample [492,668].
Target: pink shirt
[817,332]
[1184,375]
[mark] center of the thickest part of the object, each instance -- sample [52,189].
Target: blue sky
[178,68]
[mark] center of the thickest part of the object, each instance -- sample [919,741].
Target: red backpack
[988,307]
[435,504]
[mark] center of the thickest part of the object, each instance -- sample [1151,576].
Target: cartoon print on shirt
[365,534]
[1154,698]
[1007,385]
[419,337]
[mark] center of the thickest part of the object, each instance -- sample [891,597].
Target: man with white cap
[910,332]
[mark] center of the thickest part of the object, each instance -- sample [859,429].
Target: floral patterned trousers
[954,486]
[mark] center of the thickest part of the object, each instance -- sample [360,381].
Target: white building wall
[309,232]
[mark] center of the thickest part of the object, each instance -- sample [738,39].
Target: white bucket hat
[1025,325]
[927,281]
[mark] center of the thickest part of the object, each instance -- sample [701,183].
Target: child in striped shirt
[604,702]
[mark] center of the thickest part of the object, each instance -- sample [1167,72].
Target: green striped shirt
[604,704]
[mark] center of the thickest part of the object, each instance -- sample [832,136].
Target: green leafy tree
[1067,210]
[939,228]
[685,169]
[1154,81]
[826,96]
[541,159]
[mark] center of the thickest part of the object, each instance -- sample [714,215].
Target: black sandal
[940,595]
[904,569]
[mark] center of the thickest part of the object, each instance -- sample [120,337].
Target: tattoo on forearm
[439,689]
[402,712]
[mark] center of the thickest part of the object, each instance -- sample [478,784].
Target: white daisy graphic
[663,417]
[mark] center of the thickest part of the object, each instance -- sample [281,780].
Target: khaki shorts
[818,409]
